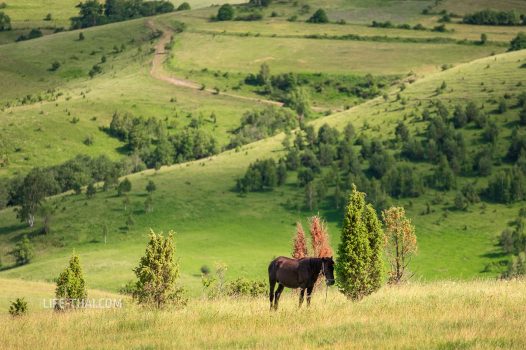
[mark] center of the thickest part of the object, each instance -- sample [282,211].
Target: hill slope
[214,224]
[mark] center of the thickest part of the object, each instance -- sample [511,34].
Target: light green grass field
[215,225]
[441,315]
[246,54]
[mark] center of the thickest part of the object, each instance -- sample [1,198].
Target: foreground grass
[441,315]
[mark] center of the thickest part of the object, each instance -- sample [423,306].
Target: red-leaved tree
[320,238]
[299,249]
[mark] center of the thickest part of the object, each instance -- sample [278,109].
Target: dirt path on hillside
[157,70]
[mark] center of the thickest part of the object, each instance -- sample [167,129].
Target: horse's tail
[272,268]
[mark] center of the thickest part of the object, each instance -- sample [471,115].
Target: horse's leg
[309,292]
[278,294]
[302,294]
[271,294]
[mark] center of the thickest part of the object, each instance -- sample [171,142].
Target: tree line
[94,13]
[497,18]
[328,159]
[150,139]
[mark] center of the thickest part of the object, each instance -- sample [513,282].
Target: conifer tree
[157,273]
[358,267]
[71,285]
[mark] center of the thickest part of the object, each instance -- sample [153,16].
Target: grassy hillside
[197,200]
[442,315]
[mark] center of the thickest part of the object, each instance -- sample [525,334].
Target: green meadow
[148,69]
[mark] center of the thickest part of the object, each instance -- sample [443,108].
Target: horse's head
[328,270]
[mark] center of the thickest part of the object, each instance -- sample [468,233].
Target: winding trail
[157,70]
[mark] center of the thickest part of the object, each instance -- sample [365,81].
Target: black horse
[298,273]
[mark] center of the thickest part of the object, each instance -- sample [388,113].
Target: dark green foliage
[443,177]
[5,22]
[96,69]
[507,186]
[522,117]
[516,267]
[518,43]
[150,138]
[260,3]
[492,17]
[18,307]
[502,107]
[517,145]
[71,287]
[460,118]
[33,34]
[225,13]
[81,36]
[90,190]
[261,175]
[440,28]
[157,273]
[93,13]
[483,38]
[125,186]
[359,264]
[401,131]
[491,133]
[259,124]
[281,173]
[31,192]
[151,187]
[23,252]
[184,7]
[403,181]
[320,16]
[54,66]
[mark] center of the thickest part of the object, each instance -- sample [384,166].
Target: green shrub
[23,252]
[18,307]
[225,13]
[157,273]
[71,287]
[518,43]
[320,16]
[184,7]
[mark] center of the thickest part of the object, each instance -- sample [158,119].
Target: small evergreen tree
[23,252]
[18,307]
[157,273]
[148,204]
[71,286]
[124,186]
[150,187]
[320,16]
[90,190]
[358,267]
[518,43]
